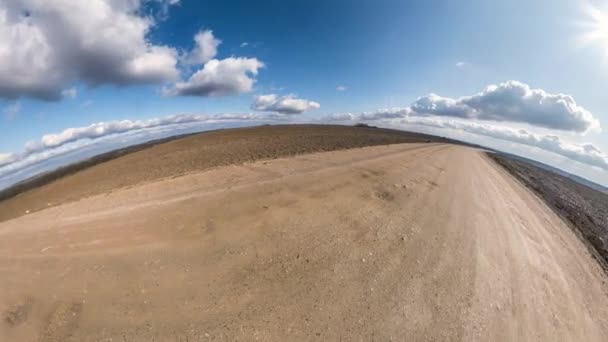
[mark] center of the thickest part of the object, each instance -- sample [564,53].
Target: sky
[82,77]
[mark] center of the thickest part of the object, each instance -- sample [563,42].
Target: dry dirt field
[152,161]
[419,242]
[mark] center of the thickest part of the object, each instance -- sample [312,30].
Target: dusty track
[405,242]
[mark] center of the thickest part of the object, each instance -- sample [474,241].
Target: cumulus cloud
[512,101]
[216,77]
[434,104]
[341,88]
[586,153]
[230,76]
[384,114]
[51,145]
[205,48]
[45,45]
[337,117]
[288,104]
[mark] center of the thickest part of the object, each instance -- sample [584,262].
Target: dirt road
[388,243]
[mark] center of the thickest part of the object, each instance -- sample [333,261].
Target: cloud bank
[51,145]
[585,153]
[47,44]
[512,101]
[287,105]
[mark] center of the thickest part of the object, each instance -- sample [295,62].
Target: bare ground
[174,157]
[404,242]
[586,209]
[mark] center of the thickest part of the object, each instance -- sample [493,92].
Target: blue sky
[387,54]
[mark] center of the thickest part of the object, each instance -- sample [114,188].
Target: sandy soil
[585,208]
[152,162]
[389,243]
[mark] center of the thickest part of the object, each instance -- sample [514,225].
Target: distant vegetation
[361,124]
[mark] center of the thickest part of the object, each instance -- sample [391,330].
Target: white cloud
[513,101]
[7,158]
[434,104]
[11,111]
[205,48]
[341,88]
[45,45]
[585,153]
[101,129]
[384,114]
[461,64]
[337,117]
[230,76]
[70,93]
[288,104]
[244,44]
